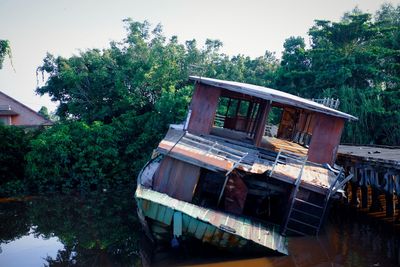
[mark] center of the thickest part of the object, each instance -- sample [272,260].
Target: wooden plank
[160,213]
[209,232]
[152,211]
[200,230]
[177,224]
[168,216]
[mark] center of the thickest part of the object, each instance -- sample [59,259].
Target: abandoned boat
[249,166]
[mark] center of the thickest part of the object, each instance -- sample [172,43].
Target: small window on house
[5,121]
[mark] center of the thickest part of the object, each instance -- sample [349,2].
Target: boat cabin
[244,112]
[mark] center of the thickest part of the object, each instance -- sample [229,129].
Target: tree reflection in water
[99,229]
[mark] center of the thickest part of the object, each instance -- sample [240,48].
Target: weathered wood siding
[325,138]
[287,124]
[203,106]
[176,178]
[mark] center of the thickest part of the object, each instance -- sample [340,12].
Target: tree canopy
[115,104]
[5,51]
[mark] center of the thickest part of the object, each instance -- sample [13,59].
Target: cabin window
[273,121]
[235,118]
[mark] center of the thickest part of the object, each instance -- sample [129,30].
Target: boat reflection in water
[346,241]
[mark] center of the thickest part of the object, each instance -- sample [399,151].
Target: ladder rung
[308,203]
[306,213]
[306,224]
[295,231]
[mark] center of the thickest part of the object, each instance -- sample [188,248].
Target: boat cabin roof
[272,95]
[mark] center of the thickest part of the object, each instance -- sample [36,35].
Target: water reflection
[96,230]
[102,230]
[348,240]
[29,250]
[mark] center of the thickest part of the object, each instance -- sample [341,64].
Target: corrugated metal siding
[176,178]
[208,225]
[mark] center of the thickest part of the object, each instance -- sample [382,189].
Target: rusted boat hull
[182,219]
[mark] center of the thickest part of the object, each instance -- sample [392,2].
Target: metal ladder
[306,217]
[285,157]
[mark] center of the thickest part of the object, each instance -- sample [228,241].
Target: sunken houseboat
[249,166]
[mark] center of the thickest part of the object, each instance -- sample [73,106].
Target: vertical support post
[265,107]
[364,197]
[398,207]
[364,189]
[354,188]
[376,203]
[389,204]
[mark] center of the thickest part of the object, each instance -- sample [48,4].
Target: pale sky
[64,27]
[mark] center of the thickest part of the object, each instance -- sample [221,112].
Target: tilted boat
[249,166]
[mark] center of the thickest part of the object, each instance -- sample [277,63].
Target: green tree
[14,144]
[5,51]
[44,112]
[356,60]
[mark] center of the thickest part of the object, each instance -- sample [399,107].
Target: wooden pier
[375,187]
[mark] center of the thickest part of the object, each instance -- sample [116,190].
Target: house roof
[273,95]
[46,121]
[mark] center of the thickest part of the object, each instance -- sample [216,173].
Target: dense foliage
[5,50]
[14,146]
[115,104]
[356,60]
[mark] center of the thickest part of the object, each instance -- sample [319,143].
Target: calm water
[102,230]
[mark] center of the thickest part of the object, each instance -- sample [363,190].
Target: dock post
[354,187]
[364,188]
[398,207]
[389,204]
[376,204]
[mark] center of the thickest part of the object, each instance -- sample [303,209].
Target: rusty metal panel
[235,194]
[203,107]
[176,178]
[325,138]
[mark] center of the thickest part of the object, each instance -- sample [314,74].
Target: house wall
[325,138]
[204,104]
[26,116]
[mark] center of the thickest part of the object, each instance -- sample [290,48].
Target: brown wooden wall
[176,178]
[287,124]
[325,138]
[203,106]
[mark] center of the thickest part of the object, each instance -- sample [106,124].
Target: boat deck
[215,153]
[219,228]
